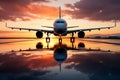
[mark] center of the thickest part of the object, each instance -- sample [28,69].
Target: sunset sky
[34,13]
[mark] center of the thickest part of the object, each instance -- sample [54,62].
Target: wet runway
[82,59]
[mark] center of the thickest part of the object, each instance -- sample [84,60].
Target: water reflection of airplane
[60,50]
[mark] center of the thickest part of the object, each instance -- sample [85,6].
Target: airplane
[60,28]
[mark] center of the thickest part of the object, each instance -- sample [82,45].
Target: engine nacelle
[81,34]
[39,45]
[39,34]
[81,45]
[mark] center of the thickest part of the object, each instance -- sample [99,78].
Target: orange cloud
[26,10]
[43,11]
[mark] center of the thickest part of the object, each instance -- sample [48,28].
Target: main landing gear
[47,38]
[72,39]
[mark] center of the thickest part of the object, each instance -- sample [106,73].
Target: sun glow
[40,14]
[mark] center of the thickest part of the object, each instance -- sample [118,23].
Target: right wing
[90,29]
[30,29]
[72,26]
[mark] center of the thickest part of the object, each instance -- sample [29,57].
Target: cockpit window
[60,22]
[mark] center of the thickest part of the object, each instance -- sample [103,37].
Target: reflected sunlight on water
[36,59]
[17,44]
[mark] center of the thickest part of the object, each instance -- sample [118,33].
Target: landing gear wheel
[47,39]
[72,39]
[60,40]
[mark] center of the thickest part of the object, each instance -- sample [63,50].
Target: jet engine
[81,45]
[81,34]
[39,45]
[39,34]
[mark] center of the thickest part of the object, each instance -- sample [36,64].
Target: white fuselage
[60,27]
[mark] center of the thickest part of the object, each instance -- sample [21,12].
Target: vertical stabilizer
[59,12]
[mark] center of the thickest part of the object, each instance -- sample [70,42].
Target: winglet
[59,11]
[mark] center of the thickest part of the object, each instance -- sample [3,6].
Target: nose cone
[60,26]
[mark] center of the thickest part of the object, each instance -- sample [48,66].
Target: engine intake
[39,45]
[39,34]
[81,34]
[81,45]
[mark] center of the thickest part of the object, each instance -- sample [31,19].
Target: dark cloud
[95,9]
[41,0]
[18,9]
[7,61]
[6,3]
[24,66]
[98,66]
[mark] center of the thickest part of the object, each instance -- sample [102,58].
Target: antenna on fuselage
[59,11]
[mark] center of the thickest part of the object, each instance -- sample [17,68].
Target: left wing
[90,29]
[47,26]
[30,29]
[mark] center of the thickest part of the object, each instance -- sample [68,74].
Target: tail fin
[59,12]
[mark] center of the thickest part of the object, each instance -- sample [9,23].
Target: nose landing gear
[60,39]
